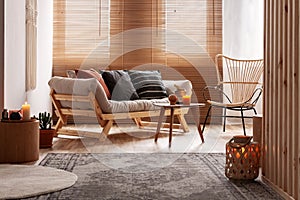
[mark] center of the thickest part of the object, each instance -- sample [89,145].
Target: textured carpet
[152,176]
[20,181]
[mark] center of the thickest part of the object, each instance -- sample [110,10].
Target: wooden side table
[164,106]
[19,141]
[257,132]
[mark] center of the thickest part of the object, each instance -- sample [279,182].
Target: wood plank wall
[281,161]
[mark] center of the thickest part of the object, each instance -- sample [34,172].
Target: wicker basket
[242,158]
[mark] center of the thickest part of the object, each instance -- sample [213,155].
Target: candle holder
[242,158]
[180,92]
[26,111]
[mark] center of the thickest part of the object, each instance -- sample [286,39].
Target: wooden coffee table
[164,106]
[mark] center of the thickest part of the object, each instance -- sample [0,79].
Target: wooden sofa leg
[107,127]
[138,122]
[183,123]
[58,125]
[61,121]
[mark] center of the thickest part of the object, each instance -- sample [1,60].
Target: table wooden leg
[183,123]
[171,126]
[161,116]
[197,122]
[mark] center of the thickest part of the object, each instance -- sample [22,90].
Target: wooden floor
[129,139]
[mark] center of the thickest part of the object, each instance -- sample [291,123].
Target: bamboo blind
[198,20]
[281,163]
[79,26]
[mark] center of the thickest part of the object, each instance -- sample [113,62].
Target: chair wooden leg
[206,118]
[243,121]
[224,118]
[197,122]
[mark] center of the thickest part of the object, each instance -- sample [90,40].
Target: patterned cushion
[71,74]
[148,84]
[85,73]
[119,85]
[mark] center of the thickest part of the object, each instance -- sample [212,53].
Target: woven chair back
[242,76]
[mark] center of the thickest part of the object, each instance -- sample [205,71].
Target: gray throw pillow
[119,85]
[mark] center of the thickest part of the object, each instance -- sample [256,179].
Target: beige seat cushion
[82,87]
[63,85]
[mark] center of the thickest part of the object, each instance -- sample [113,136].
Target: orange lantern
[242,158]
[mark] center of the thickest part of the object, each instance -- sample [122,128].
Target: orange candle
[26,111]
[186,100]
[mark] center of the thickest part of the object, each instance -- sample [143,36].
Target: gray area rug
[152,176]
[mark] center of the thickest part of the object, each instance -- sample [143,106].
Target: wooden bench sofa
[86,97]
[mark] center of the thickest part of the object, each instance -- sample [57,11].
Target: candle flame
[243,149]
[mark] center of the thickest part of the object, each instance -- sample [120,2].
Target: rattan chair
[245,89]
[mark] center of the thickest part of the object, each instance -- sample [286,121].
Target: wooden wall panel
[281,156]
[2,55]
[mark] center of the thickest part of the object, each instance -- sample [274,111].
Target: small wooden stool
[19,141]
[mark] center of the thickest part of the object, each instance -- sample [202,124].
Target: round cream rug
[20,181]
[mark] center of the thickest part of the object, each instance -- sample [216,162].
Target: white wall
[14,80]
[243,28]
[243,33]
[39,98]
[15,56]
